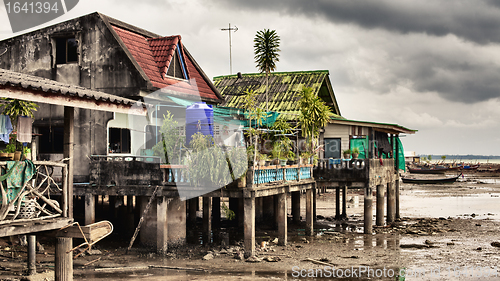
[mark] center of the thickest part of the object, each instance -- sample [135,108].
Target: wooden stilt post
[282,219]
[309,212]
[314,193]
[249,225]
[193,203]
[368,212]
[31,254]
[337,202]
[162,224]
[380,205]
[391,203]
[89,209]
[344,201]
[296,206]
[216,215]
[207,220]
[396,191]
[64,259]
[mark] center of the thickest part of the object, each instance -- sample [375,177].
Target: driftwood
[319,262]
[176,268]
[141,220]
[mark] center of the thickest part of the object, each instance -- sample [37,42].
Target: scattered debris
[208,257]
[253,259]
[495,244]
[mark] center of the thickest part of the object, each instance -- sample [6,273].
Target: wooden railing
[42,196]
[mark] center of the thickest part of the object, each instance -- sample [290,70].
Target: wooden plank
[9,230]
[92,232]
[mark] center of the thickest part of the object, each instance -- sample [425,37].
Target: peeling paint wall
[102,65]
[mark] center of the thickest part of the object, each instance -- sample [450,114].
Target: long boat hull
[430,181]
[427,171]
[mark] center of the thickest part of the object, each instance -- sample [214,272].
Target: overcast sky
[428,65]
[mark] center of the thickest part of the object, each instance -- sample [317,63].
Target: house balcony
[32,198]
[354,172]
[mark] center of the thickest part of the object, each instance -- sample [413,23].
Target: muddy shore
[447,232]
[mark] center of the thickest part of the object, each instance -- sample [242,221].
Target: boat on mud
[430,180]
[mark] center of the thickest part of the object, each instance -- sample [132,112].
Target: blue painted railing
[269,174]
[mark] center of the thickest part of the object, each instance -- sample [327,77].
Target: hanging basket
[27,209]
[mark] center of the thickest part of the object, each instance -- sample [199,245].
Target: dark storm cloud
[477,21]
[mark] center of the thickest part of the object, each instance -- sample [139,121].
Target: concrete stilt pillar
[249,225]
[89,209]
[193,202]
[216,213]
[282,219]
[380,205]
[31,254]
[130,213]
[368,211]
[63,259]
[161,224]
[296,206]
[391,203]
[337,202]
[396,191]
[344,201]
[207,220]
[309,212]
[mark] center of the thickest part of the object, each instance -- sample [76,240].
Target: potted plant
[306,157]
[355,153]
[346,153]
[10,149]
[262,159]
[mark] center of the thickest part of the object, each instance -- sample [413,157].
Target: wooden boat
[428,170]
[430,181]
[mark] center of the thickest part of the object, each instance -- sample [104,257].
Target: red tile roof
[154,55]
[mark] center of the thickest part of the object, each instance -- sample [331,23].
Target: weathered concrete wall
[124,173]
[176,223]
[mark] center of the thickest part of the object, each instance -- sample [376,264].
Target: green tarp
[363,146]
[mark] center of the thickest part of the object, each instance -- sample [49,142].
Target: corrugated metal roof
[284,88]
[57,90]
[385,127]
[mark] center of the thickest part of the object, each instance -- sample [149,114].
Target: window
[332,148]
[119,140]
[51,139]
[66,50]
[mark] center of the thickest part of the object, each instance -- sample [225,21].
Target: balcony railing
[31,192]
[352,170]
[270,174]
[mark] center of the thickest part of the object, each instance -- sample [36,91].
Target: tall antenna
[230,57]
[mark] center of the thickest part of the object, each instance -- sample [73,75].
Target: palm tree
[266,49]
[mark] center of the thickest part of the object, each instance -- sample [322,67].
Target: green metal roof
[385,127]
[283,90]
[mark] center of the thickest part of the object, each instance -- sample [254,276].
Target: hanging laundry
[5,128]
[24,124]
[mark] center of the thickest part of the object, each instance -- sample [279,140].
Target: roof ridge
[274,73]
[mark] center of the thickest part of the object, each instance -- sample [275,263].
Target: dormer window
[66,50]
[177,68]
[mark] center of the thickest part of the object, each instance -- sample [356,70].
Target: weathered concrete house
[103,54]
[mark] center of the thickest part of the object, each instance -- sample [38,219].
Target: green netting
[231,115]
[362,145]
[401,154]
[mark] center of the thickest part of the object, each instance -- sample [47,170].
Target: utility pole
[230,57]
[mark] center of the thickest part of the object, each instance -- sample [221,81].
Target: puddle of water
[482,205]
